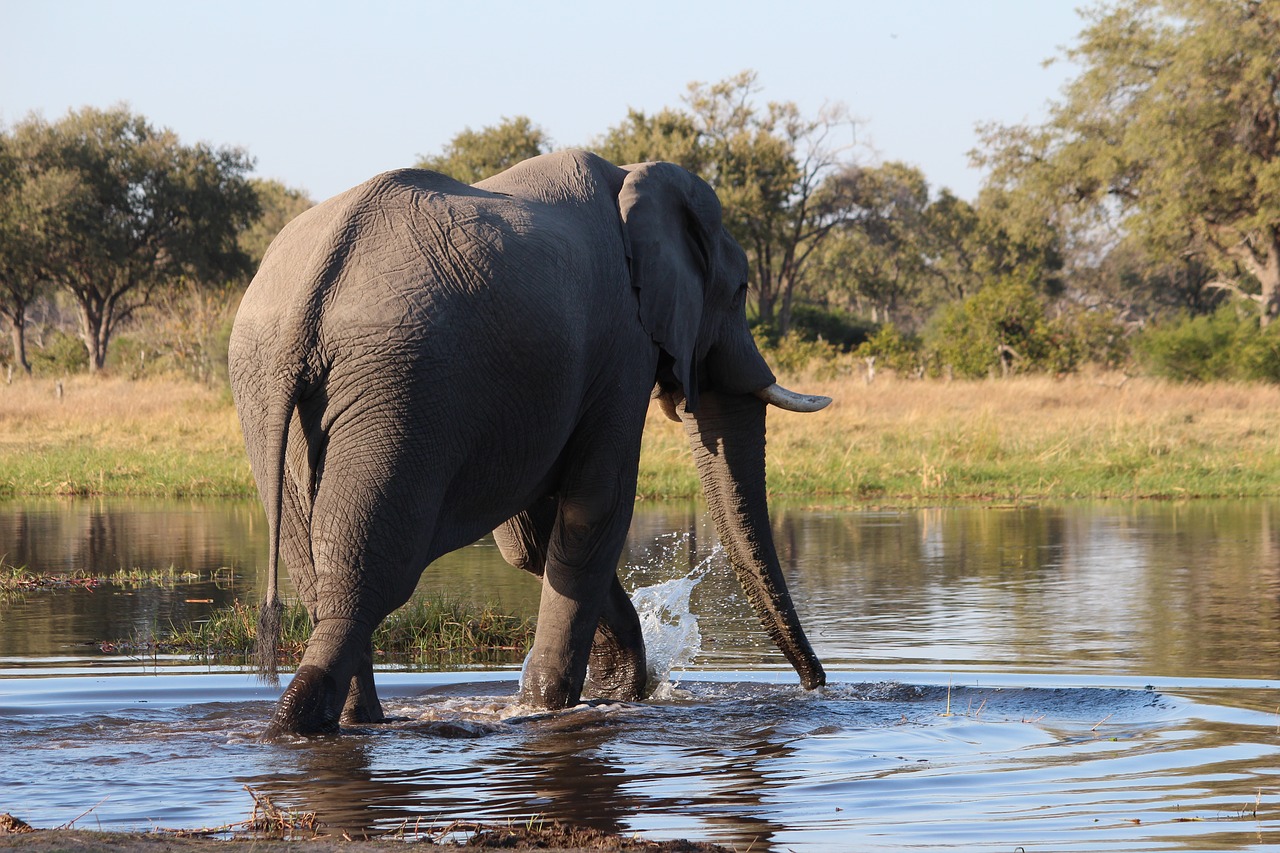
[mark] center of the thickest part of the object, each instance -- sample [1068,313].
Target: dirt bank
[545,838]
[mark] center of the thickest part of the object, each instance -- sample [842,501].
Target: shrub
[792,354]
[892,349]
[812,324]
[1001,327]
[60,354]
[1224,345]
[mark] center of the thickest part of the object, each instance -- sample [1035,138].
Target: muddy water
[1083,677]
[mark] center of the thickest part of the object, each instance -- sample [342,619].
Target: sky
[326,94]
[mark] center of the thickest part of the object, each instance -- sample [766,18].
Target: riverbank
[895,440]
[559,840]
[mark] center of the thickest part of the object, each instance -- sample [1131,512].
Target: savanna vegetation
[1066,332]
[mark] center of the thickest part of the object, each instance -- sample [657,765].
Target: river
[1085,676]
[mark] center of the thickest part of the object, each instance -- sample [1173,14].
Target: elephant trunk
[727,434]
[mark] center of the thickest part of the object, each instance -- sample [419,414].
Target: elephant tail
[269,615]
[292,375]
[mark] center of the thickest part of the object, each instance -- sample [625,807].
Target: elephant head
[690,277]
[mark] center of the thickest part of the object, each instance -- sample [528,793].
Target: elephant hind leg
[314,701]
[361,704]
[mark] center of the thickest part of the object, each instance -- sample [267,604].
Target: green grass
[428,629]
[895,440]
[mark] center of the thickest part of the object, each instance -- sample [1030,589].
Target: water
[1080,677]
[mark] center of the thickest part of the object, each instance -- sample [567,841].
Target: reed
[895,440]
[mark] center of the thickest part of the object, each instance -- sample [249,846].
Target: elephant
[418,362]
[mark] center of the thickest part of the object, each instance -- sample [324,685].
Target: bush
[792,354]
[60,354]
[1224,345]
[1000,328]
[1087,336]
[812,324]
[892,349]
[841,330]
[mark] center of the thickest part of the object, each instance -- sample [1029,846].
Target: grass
[900,440]
[895,440]
[108,436]
[428,629]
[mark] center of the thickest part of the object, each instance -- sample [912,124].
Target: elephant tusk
[778,396]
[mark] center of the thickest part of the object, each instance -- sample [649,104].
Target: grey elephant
[418,362]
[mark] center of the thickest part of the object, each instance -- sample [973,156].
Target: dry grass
[897,439]
[114,436]
[1024,437]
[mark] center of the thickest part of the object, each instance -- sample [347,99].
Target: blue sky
[325,94]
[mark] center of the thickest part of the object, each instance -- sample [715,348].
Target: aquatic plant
[428,629]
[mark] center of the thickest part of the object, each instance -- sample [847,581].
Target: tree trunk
[94,331]
[1269,278]
[19,333]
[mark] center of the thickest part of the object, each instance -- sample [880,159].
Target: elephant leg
[362,705]
[317,695]
[365,567]
[524,538]
[593,513]
[617,669]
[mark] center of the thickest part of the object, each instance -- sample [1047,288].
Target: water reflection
[1159,589]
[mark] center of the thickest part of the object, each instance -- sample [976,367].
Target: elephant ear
[669,219]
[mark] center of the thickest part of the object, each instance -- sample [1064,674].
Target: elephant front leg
[617,666]
[581,560]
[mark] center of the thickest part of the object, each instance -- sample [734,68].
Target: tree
[669,135]
[774,170]
[474,155]
[1171,132]
[30,202]
[877,263]
[901,252]
[150,212]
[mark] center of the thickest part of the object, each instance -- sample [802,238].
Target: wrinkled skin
[418,362]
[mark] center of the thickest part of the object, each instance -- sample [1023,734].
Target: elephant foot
[548,689]
[310,706]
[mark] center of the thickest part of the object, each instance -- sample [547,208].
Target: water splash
[671,636]
[669,628]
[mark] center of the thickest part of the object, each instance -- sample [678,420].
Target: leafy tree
[901,253]
[1172,130]
[474,155]
[30,226]
[150,212]
[877,262]
[669,135]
